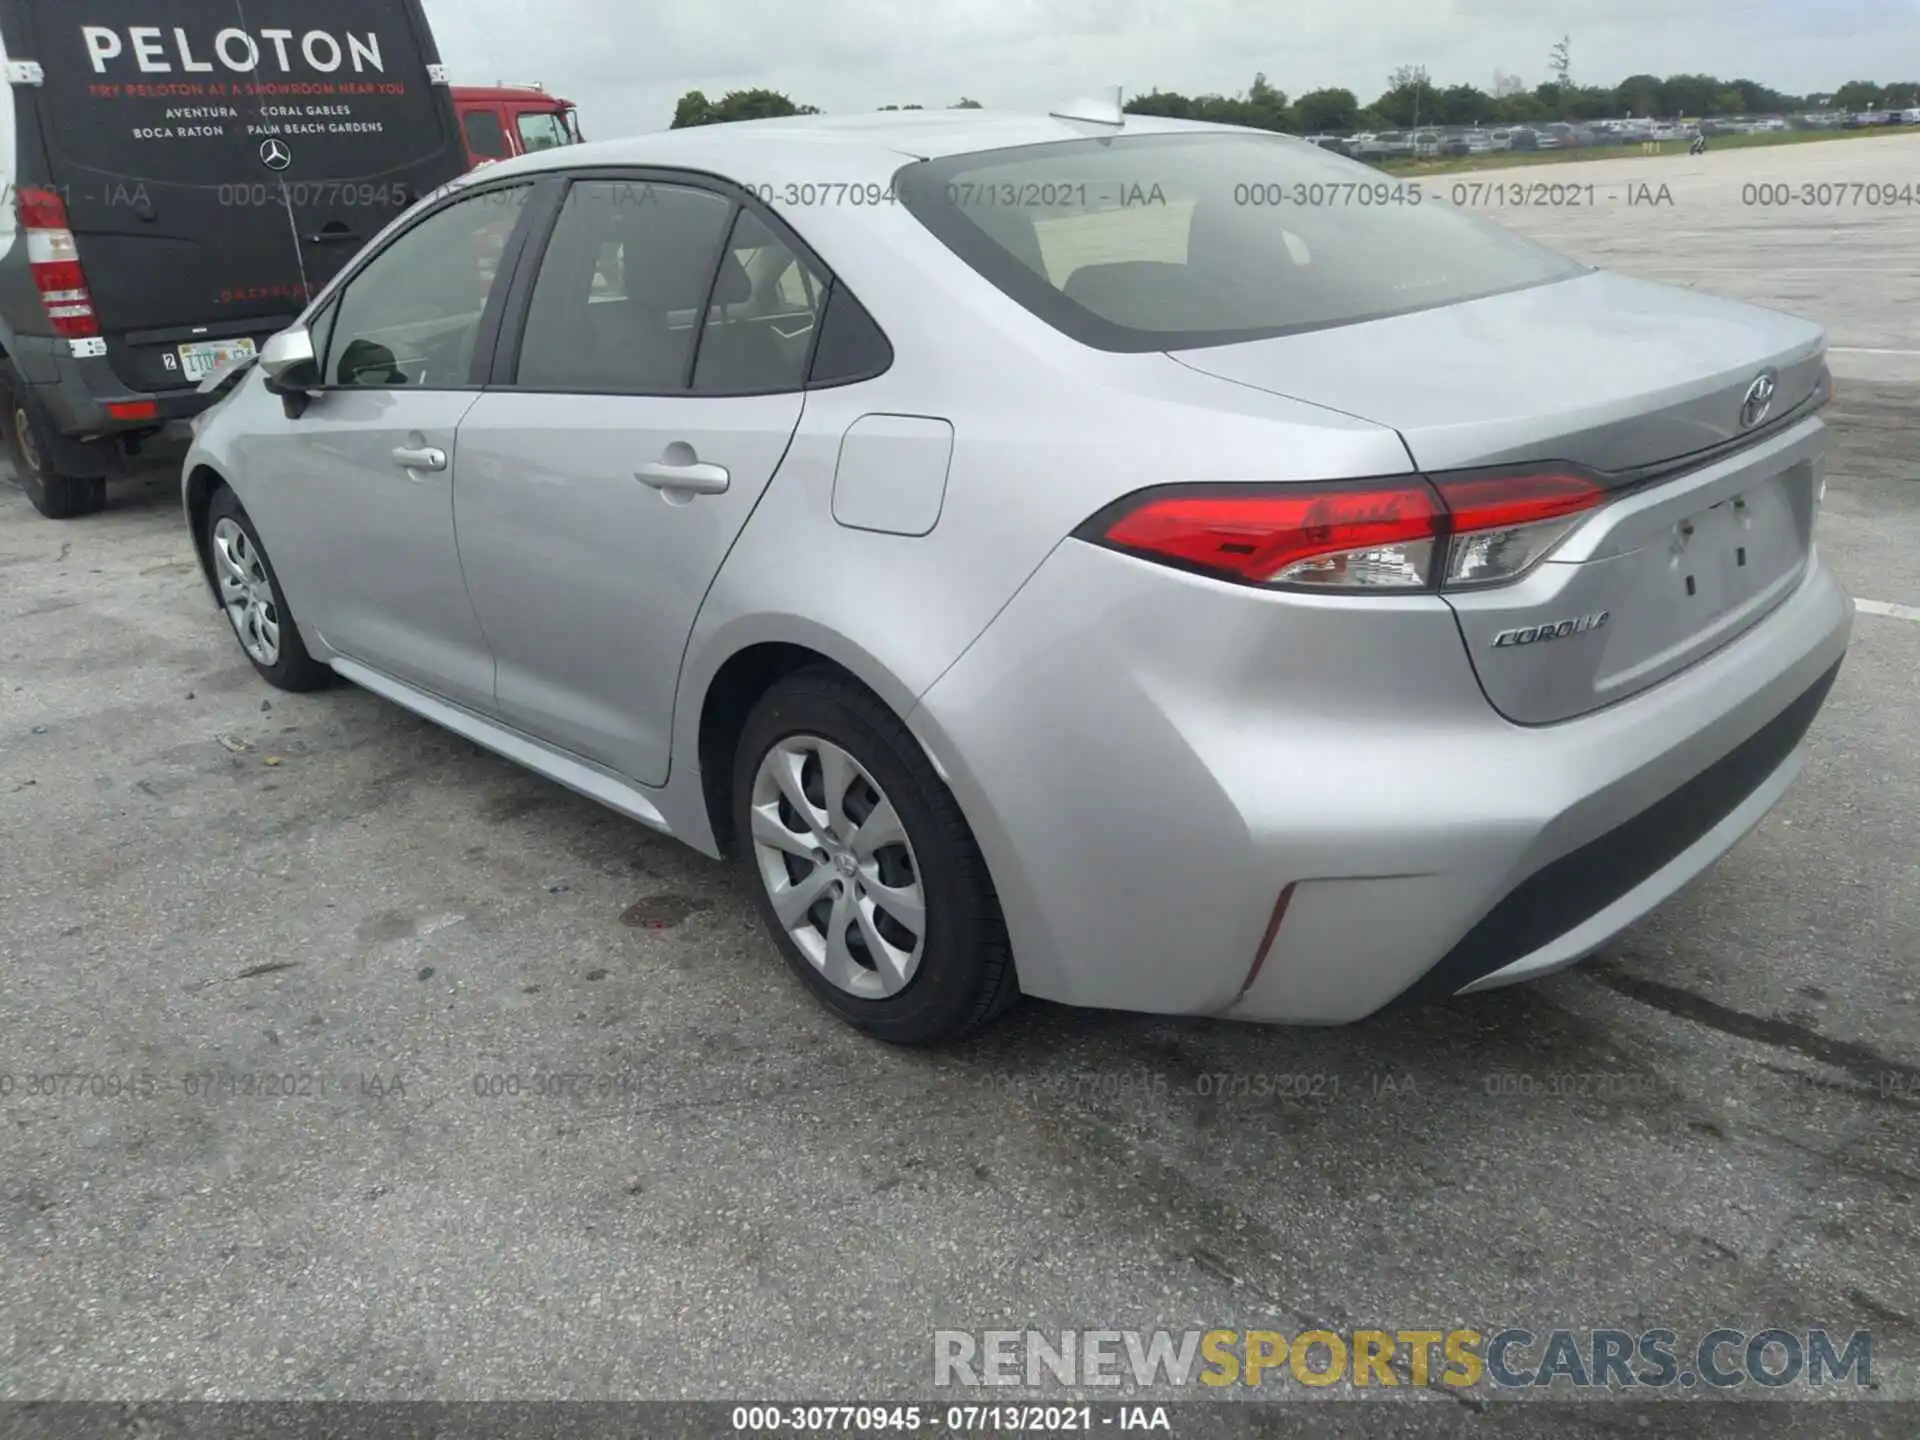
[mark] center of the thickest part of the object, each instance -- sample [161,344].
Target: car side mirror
[291,369]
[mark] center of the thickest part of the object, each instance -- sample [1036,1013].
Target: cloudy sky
[627,63]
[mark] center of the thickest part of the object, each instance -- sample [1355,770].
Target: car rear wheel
[863,868]
[35,448]
[254,605]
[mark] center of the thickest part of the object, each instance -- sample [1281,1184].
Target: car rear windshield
[1174,242]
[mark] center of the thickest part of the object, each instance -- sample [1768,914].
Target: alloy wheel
[838,867]
[246,592]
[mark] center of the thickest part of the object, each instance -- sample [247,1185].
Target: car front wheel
[863,867]
[251,597]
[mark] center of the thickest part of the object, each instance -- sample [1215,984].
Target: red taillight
[133,409]
[1298,535]
[1398,535]
[55,259]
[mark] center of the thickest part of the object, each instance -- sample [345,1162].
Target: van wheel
[30,431]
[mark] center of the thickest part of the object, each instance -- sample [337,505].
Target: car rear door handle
[694,479]
[426,458]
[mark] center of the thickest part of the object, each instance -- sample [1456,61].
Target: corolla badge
[1559,630]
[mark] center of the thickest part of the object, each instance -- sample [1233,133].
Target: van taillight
[55,259]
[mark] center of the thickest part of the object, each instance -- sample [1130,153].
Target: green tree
[1858,95]
[1168,104]
[1561,62]
[1266,107]
[966,104]
[1334,111]
[1641,95]
[695,109]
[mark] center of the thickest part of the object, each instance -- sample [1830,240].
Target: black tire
[294,670]
[965,976]
[36,449]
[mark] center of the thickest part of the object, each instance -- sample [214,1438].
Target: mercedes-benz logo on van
[275,155]
[1759,400]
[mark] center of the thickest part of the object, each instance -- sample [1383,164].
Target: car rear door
[639,410]
[221,163]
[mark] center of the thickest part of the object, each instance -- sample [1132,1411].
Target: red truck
[501,121]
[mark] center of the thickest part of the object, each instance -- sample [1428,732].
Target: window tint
[540,130]
[1167,242]
[621,287]
[412,316]
[766,302]
[486,137]
[852,346]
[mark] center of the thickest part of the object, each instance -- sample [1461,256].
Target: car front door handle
[426,458]
[693,479]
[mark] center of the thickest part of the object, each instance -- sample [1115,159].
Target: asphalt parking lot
[1714,1124]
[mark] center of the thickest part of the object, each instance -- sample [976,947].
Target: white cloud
[627,64]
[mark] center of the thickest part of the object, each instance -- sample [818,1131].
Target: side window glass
[852,346]
[321,332]
[766,302]
[486,136]
[540,130]
[412,317]
[617,304]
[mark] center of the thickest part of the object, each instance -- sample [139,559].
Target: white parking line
[1855,350]
[1893,612]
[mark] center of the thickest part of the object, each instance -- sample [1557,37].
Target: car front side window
[411,318]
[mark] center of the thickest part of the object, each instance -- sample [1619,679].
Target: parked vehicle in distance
[1523,138]
[173,197]
[1300,551]
[1426,143]
[1500,140]
[499,122]
[1479,142]
[1334,143]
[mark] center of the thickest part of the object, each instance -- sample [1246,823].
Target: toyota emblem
[275,155]
[1759,400]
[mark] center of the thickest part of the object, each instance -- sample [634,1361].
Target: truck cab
[499,122]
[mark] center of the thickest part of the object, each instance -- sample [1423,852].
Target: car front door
[363,477]
[652,382]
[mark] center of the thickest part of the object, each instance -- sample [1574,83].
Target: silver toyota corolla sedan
[1150,565]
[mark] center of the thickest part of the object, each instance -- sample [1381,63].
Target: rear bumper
[77,390]
[1149,759]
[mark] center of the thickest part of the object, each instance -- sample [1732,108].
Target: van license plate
[201,360]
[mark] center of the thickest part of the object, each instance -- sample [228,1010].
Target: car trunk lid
[1648,390]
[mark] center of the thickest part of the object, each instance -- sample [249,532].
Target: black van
[181,175]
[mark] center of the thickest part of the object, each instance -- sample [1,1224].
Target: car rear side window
[486,136]
[412,316]
[760,322]
[622,287]
[852,345]
[1166,242]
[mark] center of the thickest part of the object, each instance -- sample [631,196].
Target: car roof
[869,141]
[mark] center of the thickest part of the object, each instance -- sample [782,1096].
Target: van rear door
[221,162]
